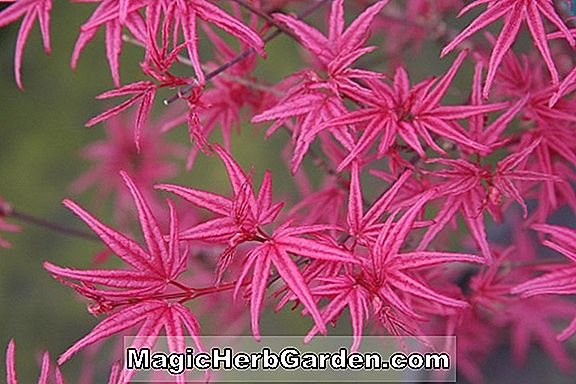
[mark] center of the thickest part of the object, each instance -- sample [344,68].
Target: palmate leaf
[387,278]
[154,267]
[410,113]
[561,280]
[464,192]
[142,91]
[154,316]
[129,14]
[311,108]
[513,12]
[277,252]
[307,101]
[339,42]
[239,217]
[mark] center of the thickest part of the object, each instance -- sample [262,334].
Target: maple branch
[266,17]
[253,84]
[189,293]
[10,212]
[181,286]
[237,79]
[243,55]
[216,289]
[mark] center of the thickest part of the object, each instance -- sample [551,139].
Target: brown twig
[243,55]
[237,79]
[266,17]
[50,225]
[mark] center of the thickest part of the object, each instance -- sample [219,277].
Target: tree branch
[243,55]
[49,225]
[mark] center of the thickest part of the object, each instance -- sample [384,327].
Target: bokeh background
[41,133]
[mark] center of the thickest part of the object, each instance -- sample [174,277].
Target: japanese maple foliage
[29,11]
[560,281]
[514,12]
[424,198]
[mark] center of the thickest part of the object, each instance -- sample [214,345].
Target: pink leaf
[290,274]
[126,249]
[11,377]
[113,324]
[152,235]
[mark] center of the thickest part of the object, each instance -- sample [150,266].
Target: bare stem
[243,55]
[50,225]
[266,17]
[237,79]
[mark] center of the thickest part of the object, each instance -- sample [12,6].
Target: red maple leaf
[29,10]
[562,280]
[153,269]
[464,191]
[385,280]
[408,112]
[239,219]
[277,251]
[315,100]
[514,12]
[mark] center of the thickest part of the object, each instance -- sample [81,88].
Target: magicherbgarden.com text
[289,358]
